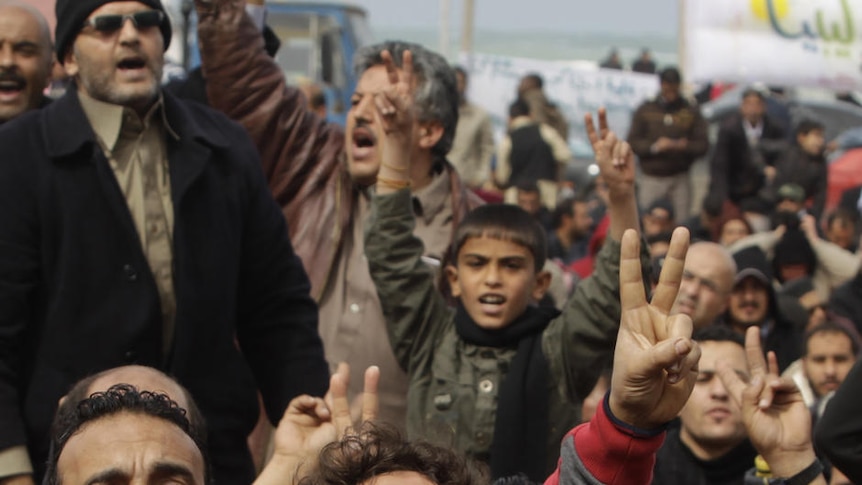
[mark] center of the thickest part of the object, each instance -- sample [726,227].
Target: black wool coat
[77,295]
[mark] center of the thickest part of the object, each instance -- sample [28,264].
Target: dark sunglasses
[141,20]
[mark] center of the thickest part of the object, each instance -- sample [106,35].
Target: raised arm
[585,333]
[405,284]
[655,368]
[776,419]
[299,151]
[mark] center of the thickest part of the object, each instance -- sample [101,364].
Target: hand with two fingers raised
[775,416]
[655,361]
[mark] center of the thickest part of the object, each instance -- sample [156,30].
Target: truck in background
[318,41]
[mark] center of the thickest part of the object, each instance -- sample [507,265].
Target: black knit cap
[71,15]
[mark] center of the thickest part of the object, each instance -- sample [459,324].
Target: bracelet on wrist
[393,183]
[805,477]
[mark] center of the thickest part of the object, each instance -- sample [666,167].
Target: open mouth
[492,299]
[11,86]
[131,64]
[363,138]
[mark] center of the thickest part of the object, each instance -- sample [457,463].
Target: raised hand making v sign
[394,112]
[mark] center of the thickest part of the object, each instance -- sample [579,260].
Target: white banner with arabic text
[576,87]
[777,42]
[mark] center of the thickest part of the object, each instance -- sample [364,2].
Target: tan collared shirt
[136,149]
[352,325]
[473,146]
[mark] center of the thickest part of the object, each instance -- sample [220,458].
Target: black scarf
[521,425]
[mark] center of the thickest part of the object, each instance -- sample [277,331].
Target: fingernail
[681,346]
[763,404]
[673,378]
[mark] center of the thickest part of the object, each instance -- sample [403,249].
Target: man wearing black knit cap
[137,228]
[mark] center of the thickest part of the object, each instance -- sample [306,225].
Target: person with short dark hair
[841,228]
[513,419]
[530,152]
[572,224]
[379,455]
[830,350]
[804,164]
[704,224]
[644,64]
[746,151]
[123,435]
[659,217]
[530,199]
[710,446]
[531,90]
[668,134]
[612,61]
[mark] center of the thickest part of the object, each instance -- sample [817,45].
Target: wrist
[788,464]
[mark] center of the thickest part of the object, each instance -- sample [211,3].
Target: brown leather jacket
[302,155]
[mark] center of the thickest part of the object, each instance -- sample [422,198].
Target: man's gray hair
[436,94]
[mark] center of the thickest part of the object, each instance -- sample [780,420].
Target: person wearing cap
[138,229]
[668,134]
[25,59]
[804,164]
[753,303]
[747,148]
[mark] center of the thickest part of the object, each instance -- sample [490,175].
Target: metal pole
[443,39]
[467,31]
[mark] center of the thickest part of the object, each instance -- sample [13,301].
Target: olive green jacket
[452,394]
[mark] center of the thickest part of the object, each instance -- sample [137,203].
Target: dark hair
[377,450]
[505,222]
[718,333]
[117,399]
[81,390]
[808,125]
[527,186]
[844,215]
[754,92]
[460,70]
[660,237]
[832,326]
[565,208]
[670,75]
[535,78]
[436,95]
[712,205]
[519,107]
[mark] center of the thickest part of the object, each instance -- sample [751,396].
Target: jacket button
[486,386]
[130,273]
[130,356]
[481,438]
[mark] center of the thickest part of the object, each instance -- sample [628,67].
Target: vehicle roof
[319,3]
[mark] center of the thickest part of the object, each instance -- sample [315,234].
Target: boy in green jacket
[497,378]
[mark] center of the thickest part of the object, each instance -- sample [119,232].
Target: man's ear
[69,62]
[429,134]
[452,277]
[543,281]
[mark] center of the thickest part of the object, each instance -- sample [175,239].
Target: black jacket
[809,172]
[676,464]
[846,301]
[77,295]
[837,433]
[736,169]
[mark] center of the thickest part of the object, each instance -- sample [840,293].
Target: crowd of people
[245,293]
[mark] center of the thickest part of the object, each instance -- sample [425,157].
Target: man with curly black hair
[124,435]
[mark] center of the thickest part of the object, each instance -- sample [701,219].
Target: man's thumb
[668,354]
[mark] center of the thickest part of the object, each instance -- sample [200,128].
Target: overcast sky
[612,16]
